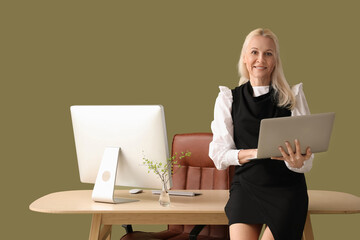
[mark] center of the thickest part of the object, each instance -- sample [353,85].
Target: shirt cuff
[305,168]
[232,157]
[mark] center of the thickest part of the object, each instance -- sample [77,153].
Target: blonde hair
[282,89]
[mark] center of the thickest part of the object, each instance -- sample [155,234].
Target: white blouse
[222,149]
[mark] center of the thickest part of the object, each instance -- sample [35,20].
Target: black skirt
[267,192]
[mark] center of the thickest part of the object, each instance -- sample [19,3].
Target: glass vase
[164,198]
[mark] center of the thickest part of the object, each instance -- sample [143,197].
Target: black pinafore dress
[264,191]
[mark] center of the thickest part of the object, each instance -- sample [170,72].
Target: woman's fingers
[290,150]
[295,159]
[283,153]
[297,147]
[308,153]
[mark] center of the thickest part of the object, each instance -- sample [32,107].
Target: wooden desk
[207,209]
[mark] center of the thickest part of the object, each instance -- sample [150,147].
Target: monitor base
[105,181]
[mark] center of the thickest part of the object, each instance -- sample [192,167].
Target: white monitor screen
[139,131]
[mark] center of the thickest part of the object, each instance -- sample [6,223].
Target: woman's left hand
[294,159]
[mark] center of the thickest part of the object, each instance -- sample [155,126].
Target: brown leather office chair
[196,172]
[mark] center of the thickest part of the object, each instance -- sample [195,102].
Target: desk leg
[105,233]
[308,232]
[95,227]
[95,233]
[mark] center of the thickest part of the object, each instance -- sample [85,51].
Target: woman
[266,191]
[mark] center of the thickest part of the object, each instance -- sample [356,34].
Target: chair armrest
[195,232]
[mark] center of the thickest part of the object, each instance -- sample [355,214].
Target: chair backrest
[199,172]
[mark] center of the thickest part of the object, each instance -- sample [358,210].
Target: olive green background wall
[55,54]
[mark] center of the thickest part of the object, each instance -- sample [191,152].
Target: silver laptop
[311,130]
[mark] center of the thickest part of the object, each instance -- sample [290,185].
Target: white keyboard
[178,193]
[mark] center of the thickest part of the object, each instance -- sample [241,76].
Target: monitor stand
[105,181]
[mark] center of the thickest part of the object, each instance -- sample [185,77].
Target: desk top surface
[211,201]
[79,201]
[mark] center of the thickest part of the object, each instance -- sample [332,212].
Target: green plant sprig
[162,170]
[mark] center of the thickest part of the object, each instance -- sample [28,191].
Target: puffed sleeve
[301,108]
[222,149]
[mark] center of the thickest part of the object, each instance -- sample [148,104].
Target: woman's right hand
[245,155]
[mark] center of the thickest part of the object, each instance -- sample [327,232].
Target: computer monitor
[111,142]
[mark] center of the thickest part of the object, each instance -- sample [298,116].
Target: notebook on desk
[312,131]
